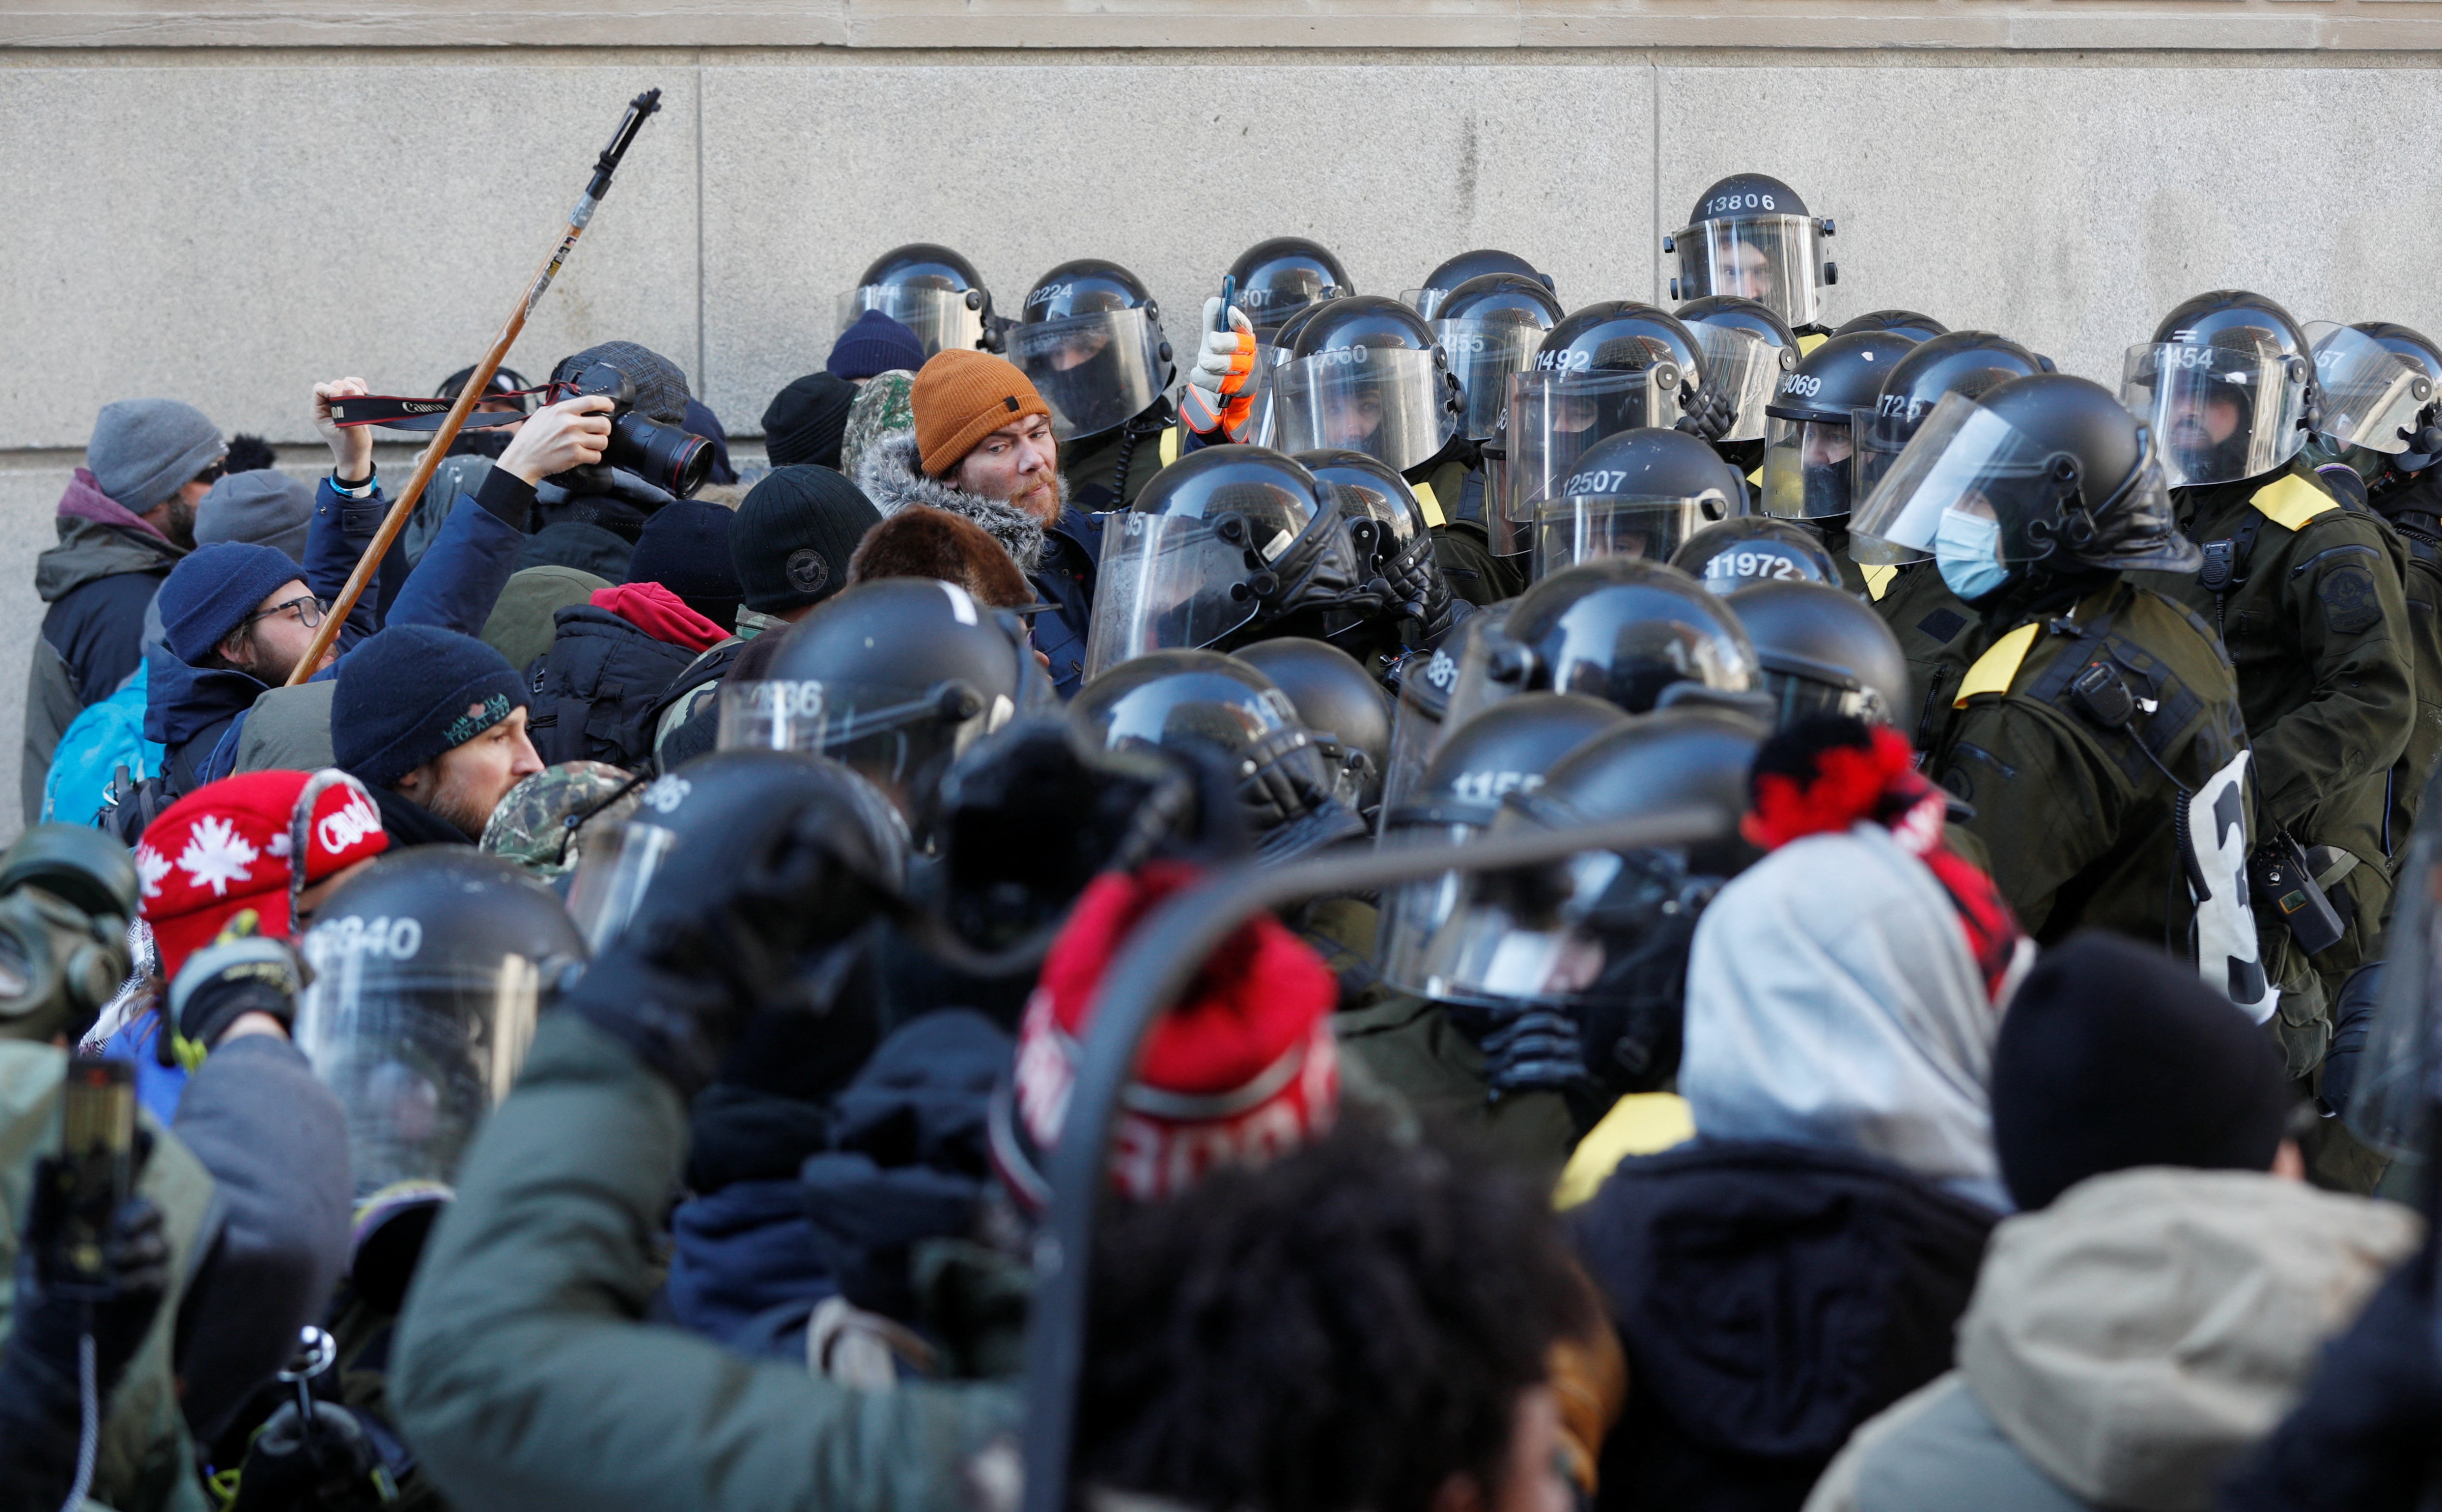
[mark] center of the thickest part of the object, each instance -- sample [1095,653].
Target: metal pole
[1159,960]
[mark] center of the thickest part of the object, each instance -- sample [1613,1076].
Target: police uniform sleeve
[527,1378]
[2344,596]
[2048,802]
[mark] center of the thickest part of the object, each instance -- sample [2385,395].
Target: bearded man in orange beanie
[982,449]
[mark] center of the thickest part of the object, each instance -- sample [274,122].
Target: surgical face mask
[1967,548]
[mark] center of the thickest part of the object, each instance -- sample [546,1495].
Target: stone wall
[224,202]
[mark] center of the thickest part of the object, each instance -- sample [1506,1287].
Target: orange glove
[1219,394]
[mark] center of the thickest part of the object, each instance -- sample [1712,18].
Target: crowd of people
[586,1020]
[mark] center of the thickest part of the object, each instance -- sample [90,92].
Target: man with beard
[982,449]
[127,517]
[433,724]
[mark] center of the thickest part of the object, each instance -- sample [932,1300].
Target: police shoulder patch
[2350,605]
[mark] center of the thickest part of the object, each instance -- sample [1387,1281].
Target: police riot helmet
[703,802]
[1750,235]
[1640,493]
[1340,703]
[2045,476]
[1089,338]
[894,678]
[1822,651]
[1277,278]
[1755,549]
[1216,709]
[2373,396]
[2418,439]
[1610,367]
[1639,634]
[929,289]
[2227,384]
[1484,262]
[1745,348]
[1507,748]
[1965,362]
[1809,438]
[1899,322]
[1491,326]
[1602,938]
[428,974]
[1401,542]
[1227,544]
[1367,373]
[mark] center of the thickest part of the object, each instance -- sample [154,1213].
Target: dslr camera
[668,458]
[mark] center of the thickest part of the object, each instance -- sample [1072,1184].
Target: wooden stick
[477,382]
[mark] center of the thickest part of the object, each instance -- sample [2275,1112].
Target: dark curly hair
[1344,1328]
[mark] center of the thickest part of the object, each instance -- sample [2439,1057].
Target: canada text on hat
[226,846]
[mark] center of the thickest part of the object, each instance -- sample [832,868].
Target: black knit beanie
[686,549]
[793,535]
[2113,1055]
[807,420]
[410,692]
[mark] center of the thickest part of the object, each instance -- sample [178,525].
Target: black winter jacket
[1770,1299]
[595,691]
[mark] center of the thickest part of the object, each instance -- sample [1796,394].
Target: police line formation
[1991,1111]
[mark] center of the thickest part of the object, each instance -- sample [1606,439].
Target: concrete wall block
[811,171]
[229,235]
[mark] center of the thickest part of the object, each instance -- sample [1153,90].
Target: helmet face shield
[2219,412]
[1587,524]
[416,1053]
[1744,368]
[1486,353]
[1180,581]
[611,878]
[1557,417]
[1753,253]
[2372,396]
[1495,939]
[1096,372]
[900,740]
[941,318]
[1390,402]
[1806,468]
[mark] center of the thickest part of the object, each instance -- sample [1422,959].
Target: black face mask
[1827,492]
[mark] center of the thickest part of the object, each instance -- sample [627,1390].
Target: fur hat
[921,541]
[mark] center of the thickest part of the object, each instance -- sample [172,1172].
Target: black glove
[725,930]
[1705,415]
[334,1465]
[253,973]
[2351,1022]
[1535,1048]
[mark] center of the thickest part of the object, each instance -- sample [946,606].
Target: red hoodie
[661,614]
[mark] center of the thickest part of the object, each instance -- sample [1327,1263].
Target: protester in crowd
[433,724]
[873,344]
[982,449]
[127,517]
[2102,1362]
[881,410]
[589,516]
[262,505]
[1841,1011]
[806,421]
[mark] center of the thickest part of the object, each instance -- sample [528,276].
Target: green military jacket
[1093,471]
[2416,523]
[1409,1046]
[1937,632]
[2078,823]
[2316,621]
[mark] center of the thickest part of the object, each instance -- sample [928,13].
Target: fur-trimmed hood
[891,476]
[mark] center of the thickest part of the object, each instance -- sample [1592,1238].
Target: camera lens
[663,456]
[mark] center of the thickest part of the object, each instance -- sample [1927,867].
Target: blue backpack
[98,744]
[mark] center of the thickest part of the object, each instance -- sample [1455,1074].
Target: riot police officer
[2305,592]
[1491,326]
[1278,278]
[1746,351]
[1810,439]
[1750,236]
[2097,733]
[1483,262]
[1089,338]
[1900,322]
[1821,652]
[1637,493]
[1420,607]
[1933,625]
[1367,373]
[932,291]
[1755,548]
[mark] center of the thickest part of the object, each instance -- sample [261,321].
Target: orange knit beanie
[961,397]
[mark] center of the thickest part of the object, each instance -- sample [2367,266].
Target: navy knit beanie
[808,419]
[214,587]
[412,692]
[794,534]
[686,549]
[2113,1055]
[876,344]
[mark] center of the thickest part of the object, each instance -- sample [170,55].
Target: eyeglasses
[213,473]
[309,613]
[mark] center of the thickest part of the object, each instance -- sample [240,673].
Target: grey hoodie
[2125,1345]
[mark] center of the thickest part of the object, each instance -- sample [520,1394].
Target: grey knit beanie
[267,507]
[143,449]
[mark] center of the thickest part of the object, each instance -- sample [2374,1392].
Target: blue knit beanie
[215,586]
[876,344]
[413,692]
